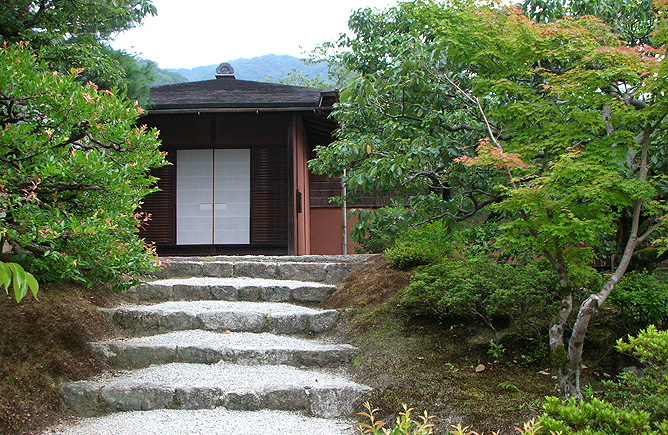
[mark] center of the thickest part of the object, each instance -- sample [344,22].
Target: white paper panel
[232,197]
[194,197]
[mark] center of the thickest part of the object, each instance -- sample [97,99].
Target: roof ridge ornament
[224,70]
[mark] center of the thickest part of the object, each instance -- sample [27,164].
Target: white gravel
[238,282]
[206,422]
[198,307]
[234,340]
[227,377]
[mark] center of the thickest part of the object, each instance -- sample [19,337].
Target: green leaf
[19,281]
[5,276]
[32,284]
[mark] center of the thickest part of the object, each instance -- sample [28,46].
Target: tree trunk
[568,368]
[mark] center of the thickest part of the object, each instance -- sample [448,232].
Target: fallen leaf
[544,372]
[480,368]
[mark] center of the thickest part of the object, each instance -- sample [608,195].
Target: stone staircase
[224,345]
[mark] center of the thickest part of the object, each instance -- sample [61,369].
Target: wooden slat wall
[269,195]
[161,229]
[321,191]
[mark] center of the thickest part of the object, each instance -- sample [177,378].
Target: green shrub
[637,403]
[643,298]
[408,256]
[645,389]
[421,246]
[478,288]
[374,243]
[596,417]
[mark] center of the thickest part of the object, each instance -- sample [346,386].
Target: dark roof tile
[232,93]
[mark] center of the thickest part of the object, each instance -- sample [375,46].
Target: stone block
[240,401]
[219,269]
[335,402]
[177,321]
[275,293]
[187,292]
[237,322]
[130,396]
[323,321]
[195,398]
[153,292]
[256,270]
[223,293]
[313,294]
[289,399]
[81,398]
[249,293]
[288,324]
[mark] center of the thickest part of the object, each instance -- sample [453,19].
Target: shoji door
[213,197]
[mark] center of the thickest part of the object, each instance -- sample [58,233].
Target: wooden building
[239,182]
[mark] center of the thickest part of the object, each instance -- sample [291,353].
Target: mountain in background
[270,67]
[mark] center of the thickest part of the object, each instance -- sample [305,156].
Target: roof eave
[174,109]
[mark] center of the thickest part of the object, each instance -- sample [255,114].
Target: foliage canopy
[73,34]
[73,170]
[558,128]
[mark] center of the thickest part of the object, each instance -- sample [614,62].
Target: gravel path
[206,422]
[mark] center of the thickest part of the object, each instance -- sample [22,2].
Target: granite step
[316,393]
[217,421]
[206,347]
[325,269]
[231,289]
[238,316]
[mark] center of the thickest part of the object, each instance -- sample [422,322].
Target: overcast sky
[190,33]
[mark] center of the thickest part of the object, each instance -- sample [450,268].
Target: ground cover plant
[428,364]
[450,367]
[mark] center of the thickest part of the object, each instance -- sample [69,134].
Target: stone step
[277,318]
[326,269]
[197,386]
[217,421]
[208,347]
[231,289]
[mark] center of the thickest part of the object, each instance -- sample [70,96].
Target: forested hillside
[270,67]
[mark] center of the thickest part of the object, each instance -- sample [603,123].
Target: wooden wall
[266,135]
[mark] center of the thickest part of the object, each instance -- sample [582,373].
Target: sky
[190,33]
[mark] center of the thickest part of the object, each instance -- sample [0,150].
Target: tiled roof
[231,93]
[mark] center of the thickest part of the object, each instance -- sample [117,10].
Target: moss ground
[41,344]
[446,369]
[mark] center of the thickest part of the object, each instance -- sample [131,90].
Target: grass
[43,343]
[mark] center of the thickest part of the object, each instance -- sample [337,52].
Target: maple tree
[557,127]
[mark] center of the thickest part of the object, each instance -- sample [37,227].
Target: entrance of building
[213,197]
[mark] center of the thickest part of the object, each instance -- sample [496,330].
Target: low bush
[636,403]
[643,297]
[596,417]
[644,389]
[478,288]
[421,246]
[408,256]
[432,243]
